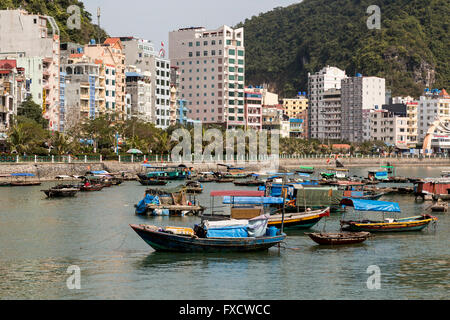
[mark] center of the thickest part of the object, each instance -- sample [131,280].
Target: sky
[153,20]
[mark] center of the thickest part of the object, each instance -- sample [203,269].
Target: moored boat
[340,238]
[162,239]
[301,220]
[416,223]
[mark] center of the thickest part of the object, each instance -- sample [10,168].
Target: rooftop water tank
[92,41]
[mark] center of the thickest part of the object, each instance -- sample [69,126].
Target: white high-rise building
[359,95]
[141,53]
[212,68]
[322,115]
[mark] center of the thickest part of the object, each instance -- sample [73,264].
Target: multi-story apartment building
[12,92]
[141,54]
[84,91]
[212,65]
[296,106]
[318,83]
[174,95]
[433,105]
[411,110]
[139,86]
[110,53]
[27,36]
[359,95]
[390,125]
[253,108]
[331,115]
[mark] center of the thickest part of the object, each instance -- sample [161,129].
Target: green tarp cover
[319,198]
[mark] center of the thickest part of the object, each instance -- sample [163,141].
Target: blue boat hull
[161,241]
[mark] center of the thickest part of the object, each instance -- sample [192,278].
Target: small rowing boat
[340,238]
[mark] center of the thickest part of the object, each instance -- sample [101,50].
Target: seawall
[48,171]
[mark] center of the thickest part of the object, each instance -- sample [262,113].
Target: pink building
[253,108]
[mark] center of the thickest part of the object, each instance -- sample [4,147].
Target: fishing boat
[62,190]
[415,223]
[232,172]
[357,190]
[182,240]
[168,202]
[300,220]
[307,195]
[171,173]
[254,182]
[440,206]
[21,180]
[247,205]
[152,182]
[193,187]
[340,238]
[308,170]
[224,180]
[88,185]
[205,177]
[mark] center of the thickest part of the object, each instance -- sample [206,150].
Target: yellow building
[295,107]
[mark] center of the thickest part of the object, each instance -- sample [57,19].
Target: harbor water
[41,238]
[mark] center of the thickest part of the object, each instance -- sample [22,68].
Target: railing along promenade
[167,158]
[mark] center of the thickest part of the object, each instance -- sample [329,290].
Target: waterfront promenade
[47,169]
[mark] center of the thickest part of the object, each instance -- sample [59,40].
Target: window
[205,43]
[190,44]
[197,43]
[232,52]
[241,53]
[205,53]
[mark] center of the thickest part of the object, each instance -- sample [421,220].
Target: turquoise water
[40,239]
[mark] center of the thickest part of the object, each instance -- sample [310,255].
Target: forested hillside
[411,49]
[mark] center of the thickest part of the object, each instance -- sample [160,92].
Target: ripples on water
[40,239]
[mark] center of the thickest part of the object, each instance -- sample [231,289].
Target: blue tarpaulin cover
[252,200]
[382,175]
[22,175]
[228,232]
[100,172]
[372,205]
[142,205]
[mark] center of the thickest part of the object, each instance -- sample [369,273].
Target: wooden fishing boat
[23,183]
[60,193]
[153,182]
[303,169]
[91,188]
[62,190]
[301,220]
[224,180]
[193,187]
[249,183]
[416,223]
[161,240]
[440,206]
[340,238]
